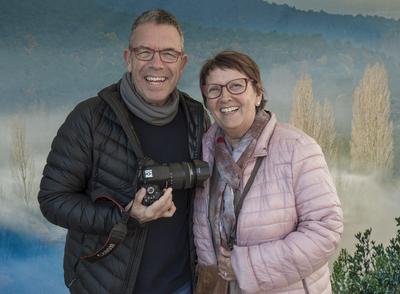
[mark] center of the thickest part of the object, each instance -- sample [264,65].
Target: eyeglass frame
[225,85]
[134,49]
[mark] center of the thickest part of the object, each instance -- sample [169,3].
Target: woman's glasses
[236,86]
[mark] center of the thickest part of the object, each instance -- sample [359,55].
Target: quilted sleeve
[63,194]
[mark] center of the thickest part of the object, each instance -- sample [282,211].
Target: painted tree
[22,164]
[305,111]
[371,145]
[2,195]
[327,134]
[315,120]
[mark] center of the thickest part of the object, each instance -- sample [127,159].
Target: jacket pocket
[71,283]
[71,276]
[73,243]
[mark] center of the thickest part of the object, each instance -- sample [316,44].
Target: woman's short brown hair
[237,61]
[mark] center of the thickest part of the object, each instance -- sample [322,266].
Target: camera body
[153,193]
[154,177]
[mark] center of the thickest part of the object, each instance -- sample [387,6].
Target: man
[89,182]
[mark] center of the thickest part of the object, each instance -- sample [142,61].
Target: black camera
[154,177]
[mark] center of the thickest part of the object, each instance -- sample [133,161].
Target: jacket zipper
[305,286]
[134,262]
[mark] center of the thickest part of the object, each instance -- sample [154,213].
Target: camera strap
[123,117]
[232,236]
[120,230]
[117,235]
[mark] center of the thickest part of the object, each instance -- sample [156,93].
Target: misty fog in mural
[54,54]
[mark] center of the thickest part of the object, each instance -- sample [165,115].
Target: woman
[290,221]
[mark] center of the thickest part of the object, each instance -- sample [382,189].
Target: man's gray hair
[156,16]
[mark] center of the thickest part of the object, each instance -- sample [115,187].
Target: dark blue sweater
[165,264]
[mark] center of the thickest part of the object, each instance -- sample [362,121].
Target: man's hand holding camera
[163,207]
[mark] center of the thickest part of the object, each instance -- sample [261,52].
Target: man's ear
[184,61]
[127,58]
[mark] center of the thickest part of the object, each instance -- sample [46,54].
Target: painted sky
[386,8]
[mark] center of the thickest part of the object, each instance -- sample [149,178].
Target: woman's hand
[225,269]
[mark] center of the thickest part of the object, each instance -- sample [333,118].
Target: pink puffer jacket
[291,220]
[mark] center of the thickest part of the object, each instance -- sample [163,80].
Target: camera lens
[201,170]
[186,175]
[178,175]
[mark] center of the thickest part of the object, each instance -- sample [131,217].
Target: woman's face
[234,113]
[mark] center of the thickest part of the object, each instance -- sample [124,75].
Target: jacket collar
[261,148]
[263,141]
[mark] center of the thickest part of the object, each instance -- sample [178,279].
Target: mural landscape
[55,53]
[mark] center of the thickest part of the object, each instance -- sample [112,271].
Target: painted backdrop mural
[54,53]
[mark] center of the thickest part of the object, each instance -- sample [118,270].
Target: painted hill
[62,51]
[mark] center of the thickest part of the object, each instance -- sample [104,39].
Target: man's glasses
[147,54]
[236,86]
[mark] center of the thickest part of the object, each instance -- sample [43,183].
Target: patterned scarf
[230,166]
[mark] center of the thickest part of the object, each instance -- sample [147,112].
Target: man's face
[155,79]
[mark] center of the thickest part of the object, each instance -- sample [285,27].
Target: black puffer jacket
[89,176]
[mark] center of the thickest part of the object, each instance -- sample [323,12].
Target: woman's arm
[279,263]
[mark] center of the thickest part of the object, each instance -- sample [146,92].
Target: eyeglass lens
[147,54]
[237,86]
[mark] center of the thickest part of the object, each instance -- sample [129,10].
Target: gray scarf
[152,114]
